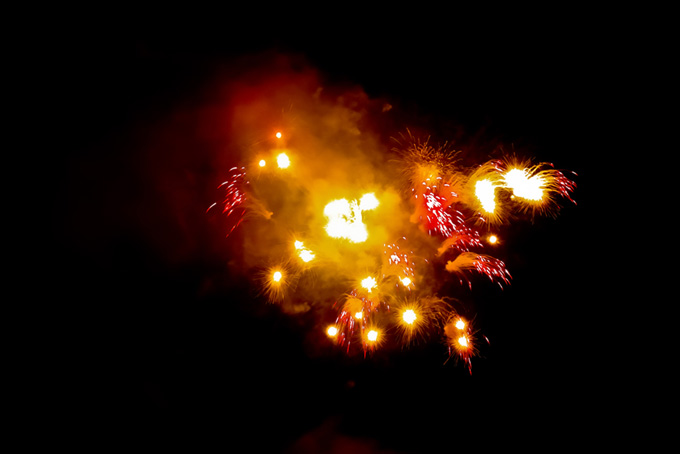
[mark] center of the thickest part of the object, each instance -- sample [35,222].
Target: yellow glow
[485,192]
[283,161]
[359,315]
[306,255]
[372,335]
[345,220]
[463,342]
[406,281]
[262,163]
[524,186]
[368,202]
[492,239]
[278,135]
[460,324]
[332,331]
[369,283]
[277,276]
[409,316]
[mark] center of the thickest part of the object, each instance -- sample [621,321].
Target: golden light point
[406,281]
[460,324]
[278,135]
[409,316]
[463,342]
[283,161]
[262,163]
[306,255]
[369,283]
[359,315]
[332,331]
[372,335]
[277,276]
[492,239]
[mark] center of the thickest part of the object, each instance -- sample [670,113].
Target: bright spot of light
[277,276]
[368,202]
[345,220]
[406,281]
[278,135]
[460,324]
[409,316]
[530,188]
[485,192]
[359,315]
[463,341]
[369,283]
[283,161]
[332,331]
[306,255]
[372,335]
[492,239]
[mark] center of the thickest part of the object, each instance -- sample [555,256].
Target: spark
[492,239]
[277,276]
[369,283]
[491,267]
[278,135]
[372,335]
[523,185]
[283,161]
[463,342]
[460,324]
[305,254]
[485,191]
[406,281]
[409,316]
[345,219]
[262,163]
[332,331]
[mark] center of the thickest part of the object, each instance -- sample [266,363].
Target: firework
[373,289]
[489,266]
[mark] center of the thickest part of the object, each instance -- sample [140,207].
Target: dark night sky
[159,339]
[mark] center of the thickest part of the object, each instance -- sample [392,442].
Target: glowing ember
[486,193]
[277,276]
[460,324]
[523,185]
[463,342]
[369,283]
[372,335]
[283,161]
[345,220]
[278,135]
[409,316]
[332,331]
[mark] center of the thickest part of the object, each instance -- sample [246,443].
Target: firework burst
[352,230]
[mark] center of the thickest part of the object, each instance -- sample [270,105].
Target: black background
[157,341]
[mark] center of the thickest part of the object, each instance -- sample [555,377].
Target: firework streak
[381,247]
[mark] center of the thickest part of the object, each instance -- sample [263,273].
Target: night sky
[162,340]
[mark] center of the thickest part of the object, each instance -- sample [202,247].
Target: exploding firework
[376,242]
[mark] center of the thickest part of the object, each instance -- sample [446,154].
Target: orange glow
[492,239]
[463,342]
[278,135]
[369,283]
[460,324]
[277,276]
[332,331]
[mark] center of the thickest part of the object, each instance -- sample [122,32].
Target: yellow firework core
[369,283]
[283,161]
[492,239]
[305,254]
[345,219]
[463,342]
[277,276]
[262,163]
[460,324]
[359,315]
[278,135]
[409,316]
[332,331]
[485,192]
[372,335]
[406,281]
[523,185]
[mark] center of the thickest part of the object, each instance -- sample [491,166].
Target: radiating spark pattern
[380,274]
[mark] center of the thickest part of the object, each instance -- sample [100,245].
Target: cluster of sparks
[455,211]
